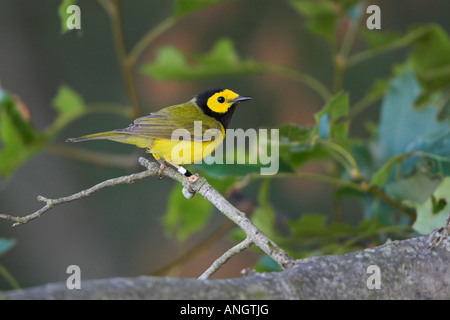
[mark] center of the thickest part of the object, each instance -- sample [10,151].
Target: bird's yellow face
[221,101]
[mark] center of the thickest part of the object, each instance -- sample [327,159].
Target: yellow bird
[180,134]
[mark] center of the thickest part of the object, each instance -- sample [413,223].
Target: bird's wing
[184,120]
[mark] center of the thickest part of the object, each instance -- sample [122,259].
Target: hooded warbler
[212,110]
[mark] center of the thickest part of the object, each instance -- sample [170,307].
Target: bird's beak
[240,99]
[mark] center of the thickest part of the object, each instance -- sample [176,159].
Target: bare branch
[200,186]
[50,203]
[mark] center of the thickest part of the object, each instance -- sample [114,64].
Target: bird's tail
[139,141]
[110,135]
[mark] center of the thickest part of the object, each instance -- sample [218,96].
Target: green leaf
[380,39]
[222,60]
[430,58]
[63,15]
[309,225]
[222,52]
[184,7]
[405,129]
[264,216]
[6,244]
[10,105]
[249,158]
[326,118]
[292,133]
[183,216]
[322,16]
[380,177]
[443,105]
[437,204]
[264,219]
[18,137]
[416,188]
[298,146]
[428,215]
[170,63]
[311,232]
[430,61]
[68,103]
[229,170]
[267,264]
[337,107]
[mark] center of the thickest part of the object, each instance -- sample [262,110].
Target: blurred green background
[118,232]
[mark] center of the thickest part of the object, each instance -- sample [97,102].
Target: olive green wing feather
[186,118]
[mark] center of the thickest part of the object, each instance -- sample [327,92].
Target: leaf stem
[362,105]
[125,161]
[370,53]
[148,38]
[341,56]
[115,109]
[363,186]
[303,78]
[9,278]
[313,176]
[391,201]
[351,165]
[114,13]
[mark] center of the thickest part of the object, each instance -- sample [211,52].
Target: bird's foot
[161,168]
[192,178]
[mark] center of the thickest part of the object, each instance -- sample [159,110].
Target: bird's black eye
[221,99]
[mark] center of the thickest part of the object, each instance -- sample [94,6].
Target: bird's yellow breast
[184,152]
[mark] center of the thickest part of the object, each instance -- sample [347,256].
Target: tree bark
[409,270]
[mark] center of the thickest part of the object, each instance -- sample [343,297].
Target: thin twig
[115,16]
[303,78]
[225,257]
[408,39]
[9,278]
[341,56]
[411,213]
[361,186]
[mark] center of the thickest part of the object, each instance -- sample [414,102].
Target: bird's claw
[161,168]
[193,178]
